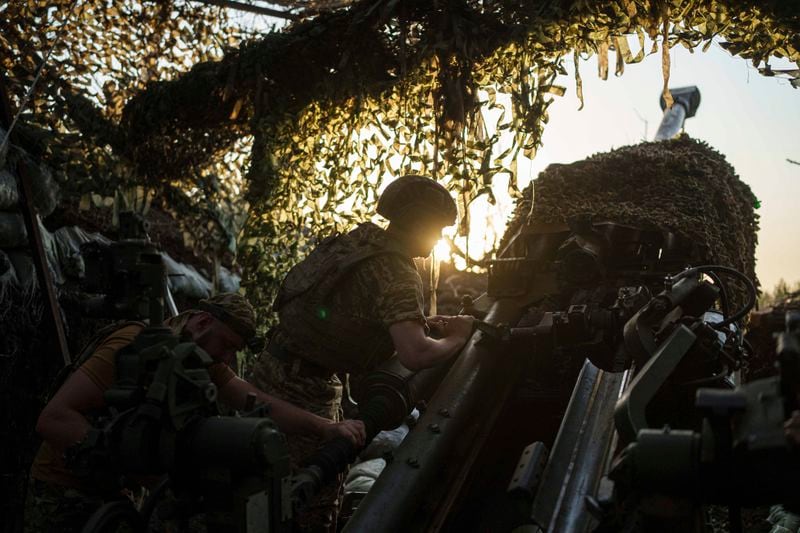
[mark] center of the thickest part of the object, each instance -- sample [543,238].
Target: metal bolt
[412,462]
[435,428]
[444,412]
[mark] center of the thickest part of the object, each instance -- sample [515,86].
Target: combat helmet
[414,198]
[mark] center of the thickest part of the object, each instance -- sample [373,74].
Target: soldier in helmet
[350,305]
[61,500]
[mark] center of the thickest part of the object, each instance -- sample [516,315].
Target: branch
[241,6]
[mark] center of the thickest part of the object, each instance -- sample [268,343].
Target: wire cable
[723,294]
[751,289]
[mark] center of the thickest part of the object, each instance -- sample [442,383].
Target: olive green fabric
[55,508]
[323,397]
[336,306]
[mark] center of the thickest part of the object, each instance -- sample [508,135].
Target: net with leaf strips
[682,185]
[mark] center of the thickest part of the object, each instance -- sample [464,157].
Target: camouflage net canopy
[323,112]
[681,185]
[101,55]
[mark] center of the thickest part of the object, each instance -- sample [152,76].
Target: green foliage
[780,293]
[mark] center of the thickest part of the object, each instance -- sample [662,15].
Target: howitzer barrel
[453,417]
[686,100]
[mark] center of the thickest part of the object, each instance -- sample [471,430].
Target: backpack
[332,340]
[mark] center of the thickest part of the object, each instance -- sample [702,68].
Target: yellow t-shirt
[48,465]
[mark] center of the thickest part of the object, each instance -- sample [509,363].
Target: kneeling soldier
[60,500]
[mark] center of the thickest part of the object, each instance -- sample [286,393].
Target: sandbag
[51,253]
[12,230]
[9,195]
[14,239]
[184,280]
[228,281]
[8,276]
[24,267]
[68,240]
[4,151]
[44,188]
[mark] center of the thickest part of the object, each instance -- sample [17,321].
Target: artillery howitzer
[438,478]
[738,457]
[589,283]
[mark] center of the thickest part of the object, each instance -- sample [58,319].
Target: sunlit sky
[754,121]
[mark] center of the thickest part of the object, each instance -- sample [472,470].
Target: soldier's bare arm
[290,418]
[62,423]
[416,351]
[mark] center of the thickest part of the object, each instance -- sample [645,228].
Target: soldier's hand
[452,326]
[438,324]
[353,430]
[460,326]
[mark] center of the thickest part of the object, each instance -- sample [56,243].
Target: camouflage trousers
[318,395]
[54,508]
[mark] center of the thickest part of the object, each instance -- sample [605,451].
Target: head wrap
[233,310]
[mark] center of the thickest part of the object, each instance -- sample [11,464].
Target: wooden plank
[250,8]
[31,217]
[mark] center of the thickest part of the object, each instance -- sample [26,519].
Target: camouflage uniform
[53,508]
[323,397]
[783,521]
[335,310]
[60,501]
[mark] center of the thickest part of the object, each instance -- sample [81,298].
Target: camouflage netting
[308,123]
[682,185]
